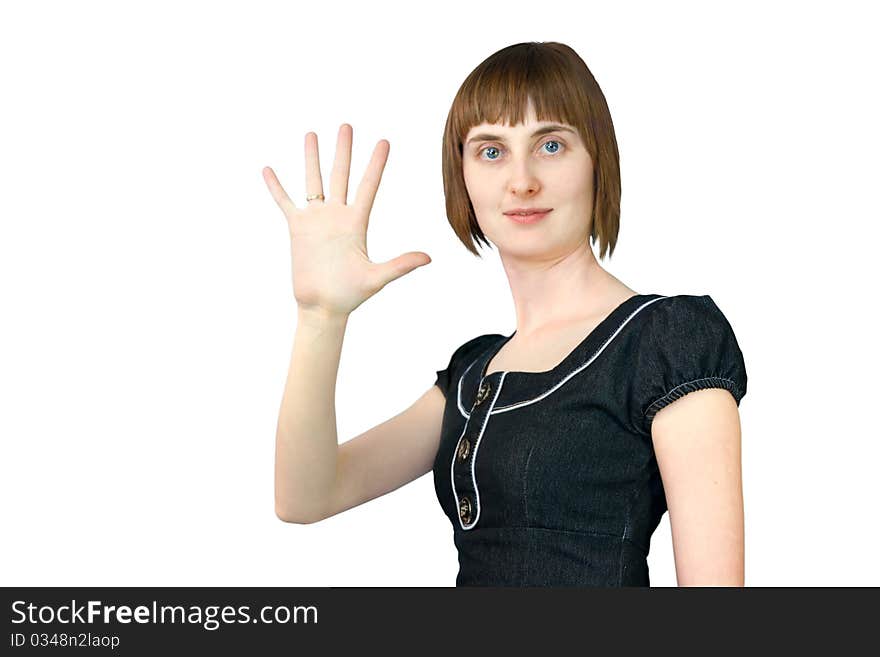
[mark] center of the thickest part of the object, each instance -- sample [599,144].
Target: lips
[528,211]
[531,217]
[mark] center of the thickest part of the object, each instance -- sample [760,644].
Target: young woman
[555,450]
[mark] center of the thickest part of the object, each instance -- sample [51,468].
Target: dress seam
[693,385]
[616,537]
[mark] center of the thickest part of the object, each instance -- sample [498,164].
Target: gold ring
[312,197]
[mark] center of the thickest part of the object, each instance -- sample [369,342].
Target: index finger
[369,185]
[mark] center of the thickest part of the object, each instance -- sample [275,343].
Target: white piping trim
[463,411]
[511,407]
[461,408]
[473,461]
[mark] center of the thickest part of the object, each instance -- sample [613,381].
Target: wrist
[320,317]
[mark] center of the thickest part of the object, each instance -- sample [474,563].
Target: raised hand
[332,272]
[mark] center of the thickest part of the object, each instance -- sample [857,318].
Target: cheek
[573,190]
[477,188]
[578,180]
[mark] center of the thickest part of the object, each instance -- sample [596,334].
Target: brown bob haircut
[562,89]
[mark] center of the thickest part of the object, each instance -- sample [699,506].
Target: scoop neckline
[574,354]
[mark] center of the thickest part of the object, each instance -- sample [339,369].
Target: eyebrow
[537,133]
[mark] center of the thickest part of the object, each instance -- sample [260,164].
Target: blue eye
[557,144]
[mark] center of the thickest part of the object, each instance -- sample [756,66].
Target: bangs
[502,88]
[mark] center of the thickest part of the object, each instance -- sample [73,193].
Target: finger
[341,165]
[313,167]
[400,266]
[366,192]
[277,191]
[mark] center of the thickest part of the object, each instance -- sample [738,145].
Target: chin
[524,249]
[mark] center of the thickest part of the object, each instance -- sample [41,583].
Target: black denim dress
[550,478]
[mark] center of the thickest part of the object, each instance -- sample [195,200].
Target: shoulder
[683,308]
[687,343]
[462,356]
[688,323]
[474,347]
[685,321]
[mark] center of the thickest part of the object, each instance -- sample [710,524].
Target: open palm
[332,271]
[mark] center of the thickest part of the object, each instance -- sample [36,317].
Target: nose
[523,181]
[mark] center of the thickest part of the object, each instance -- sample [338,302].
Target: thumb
[401,265]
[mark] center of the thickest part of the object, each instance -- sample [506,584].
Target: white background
[147,308]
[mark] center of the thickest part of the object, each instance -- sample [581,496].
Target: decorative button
[464,448]
[464,509]
[483,392]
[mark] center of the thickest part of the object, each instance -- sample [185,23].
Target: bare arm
[314,477]
[306,439]
[332,276]
[697,443]
[389,455]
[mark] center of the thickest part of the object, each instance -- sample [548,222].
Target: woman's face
[507,167]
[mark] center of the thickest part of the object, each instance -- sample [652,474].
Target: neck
[553,292]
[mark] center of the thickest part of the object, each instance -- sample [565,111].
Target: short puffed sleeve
[463,356]
[688,345]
